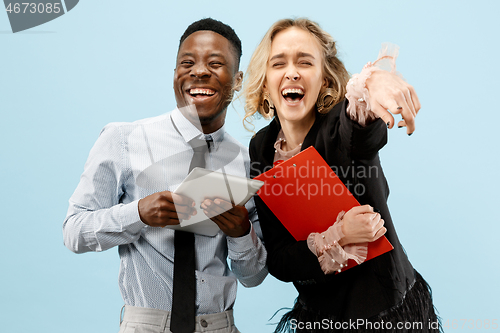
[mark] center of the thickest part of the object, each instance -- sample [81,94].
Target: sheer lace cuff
[331,256]
[359,108]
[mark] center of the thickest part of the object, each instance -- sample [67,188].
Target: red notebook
[306,196]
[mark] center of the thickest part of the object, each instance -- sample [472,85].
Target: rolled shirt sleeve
[247,253]
[97,217]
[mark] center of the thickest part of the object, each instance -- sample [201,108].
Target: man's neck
[207,126]
[213,126]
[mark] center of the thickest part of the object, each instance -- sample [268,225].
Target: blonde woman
[296,80]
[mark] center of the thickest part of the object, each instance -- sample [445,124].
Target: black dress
[384,289]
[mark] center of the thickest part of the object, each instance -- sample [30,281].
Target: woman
[295,77]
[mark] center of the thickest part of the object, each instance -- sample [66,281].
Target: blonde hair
[333,69]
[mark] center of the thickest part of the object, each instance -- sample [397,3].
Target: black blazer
[351,151]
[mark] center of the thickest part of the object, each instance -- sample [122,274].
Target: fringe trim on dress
[415,314]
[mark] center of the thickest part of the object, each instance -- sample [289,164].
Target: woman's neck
[295,132]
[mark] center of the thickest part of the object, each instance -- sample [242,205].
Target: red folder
[306,195]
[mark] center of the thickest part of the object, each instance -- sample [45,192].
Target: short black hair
[218,27]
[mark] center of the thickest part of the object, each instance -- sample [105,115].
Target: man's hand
[231,219]
[361,225]
[165,208]
[390,92]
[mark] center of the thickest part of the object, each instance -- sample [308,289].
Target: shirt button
[203,323]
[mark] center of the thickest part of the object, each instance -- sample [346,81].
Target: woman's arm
[379,90]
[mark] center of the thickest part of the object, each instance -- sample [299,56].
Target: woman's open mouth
[292,95]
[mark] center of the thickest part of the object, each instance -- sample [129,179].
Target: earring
[325,100]
[267,105]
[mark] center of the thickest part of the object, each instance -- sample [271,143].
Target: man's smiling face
[205,75]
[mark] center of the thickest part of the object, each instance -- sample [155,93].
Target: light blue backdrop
[105,61]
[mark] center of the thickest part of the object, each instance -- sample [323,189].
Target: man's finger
[225,205]
[222,222]
[184,209]
[180,200]
[174,221]
[212,210]
[173,215]
[218,206]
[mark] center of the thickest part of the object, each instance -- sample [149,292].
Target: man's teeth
[292,91]
[199,91]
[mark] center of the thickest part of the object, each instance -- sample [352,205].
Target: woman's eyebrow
[299,54]
[304,54]
[280,55]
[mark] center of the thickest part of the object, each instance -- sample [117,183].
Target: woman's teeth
[293,94]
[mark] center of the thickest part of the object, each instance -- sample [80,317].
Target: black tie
[184,290]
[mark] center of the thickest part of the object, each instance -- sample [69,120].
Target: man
[125,198]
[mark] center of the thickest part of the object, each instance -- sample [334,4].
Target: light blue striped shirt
[103,213]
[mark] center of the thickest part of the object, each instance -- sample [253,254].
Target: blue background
[105,61]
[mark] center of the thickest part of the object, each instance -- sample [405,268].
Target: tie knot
[200,145]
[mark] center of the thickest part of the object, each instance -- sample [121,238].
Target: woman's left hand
[390,92]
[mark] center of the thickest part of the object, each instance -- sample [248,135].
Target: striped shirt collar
[189,131]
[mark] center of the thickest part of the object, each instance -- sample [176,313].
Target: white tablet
[201,184]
